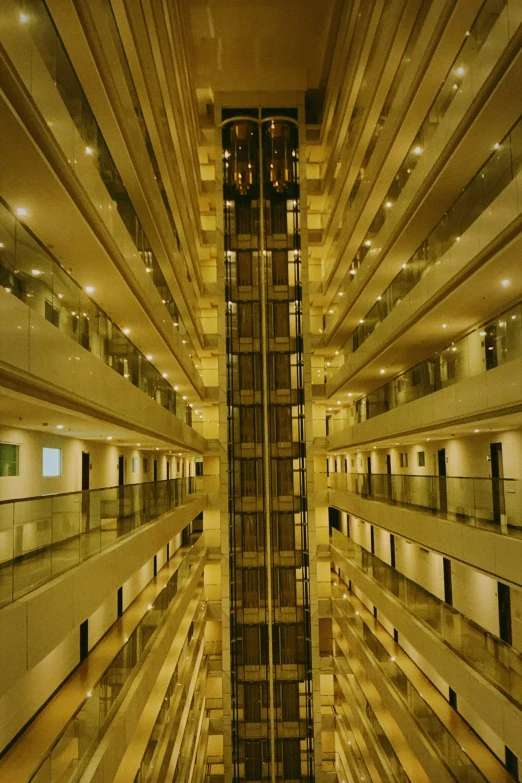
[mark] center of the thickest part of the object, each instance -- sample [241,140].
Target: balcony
[485,503]
[43,537]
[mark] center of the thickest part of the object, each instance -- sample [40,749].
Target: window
[134,464]
[404,459]
[421,459]
[9,455]
[51,462]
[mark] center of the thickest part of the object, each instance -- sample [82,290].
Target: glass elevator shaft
[271,678]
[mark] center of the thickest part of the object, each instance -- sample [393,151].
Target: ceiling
[266,45]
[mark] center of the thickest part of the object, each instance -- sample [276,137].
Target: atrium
[260,391]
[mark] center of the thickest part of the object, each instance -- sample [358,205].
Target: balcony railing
[497,342]
[42,537]
[78,741]
[487,503]
[496,660]
[460,764]
[31,273]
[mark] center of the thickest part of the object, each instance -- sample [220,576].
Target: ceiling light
[184,342]
[379,298]
[340,293]
[483,334]
[338,402]
[149,357]
[24,18]
[89,289]
[455,86]
[350,394]
[60,296]
[109,437]
[367,243]
[428,438]
[505,283]
[444,326]
[1,244]
[148,270]
[496,146]
[388,204]
[176,388]
[164,374]
[476,430]
[126,331]
[36,272]
[59,426]
[184,397]
[404,266]
[138,444]
[352,271]
[457,239]
[88,150]
[417,150]
[382,371]
[8,291]
[337,352]
[460,71]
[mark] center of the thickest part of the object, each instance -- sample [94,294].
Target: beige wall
[103,459]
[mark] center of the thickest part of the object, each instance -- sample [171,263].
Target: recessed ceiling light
[109,437]
[24,18]
[367,242]
[164,374]
[460,71]
[1,244]
[184,397]
[126,331]
[138,444]
[379,298]
[361,320]
[496,146]
[388,204]
[89,289]
[476,430]
[21,212]
[505,283]
[352,271]
[59,426]
[88,150]
[444,326]
[149,357]
[350,394]
[176,388]
[382,371]
[36,272]
[482,334]
[417,150]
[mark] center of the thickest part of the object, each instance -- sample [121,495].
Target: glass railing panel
[32,544]
[6,552]
[66,528]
